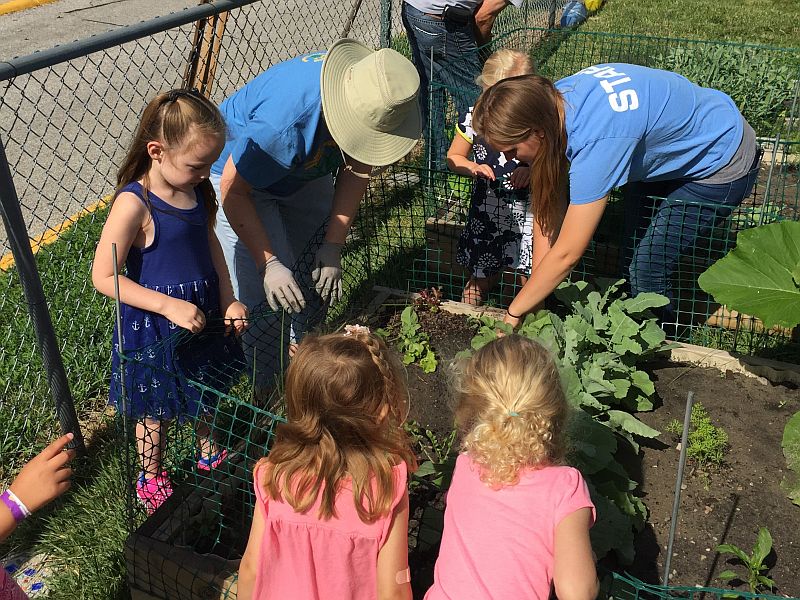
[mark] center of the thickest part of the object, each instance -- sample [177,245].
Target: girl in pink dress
[331,514]
[517,519]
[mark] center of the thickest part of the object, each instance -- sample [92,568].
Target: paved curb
[17,5]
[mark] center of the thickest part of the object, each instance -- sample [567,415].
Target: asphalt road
[65,21]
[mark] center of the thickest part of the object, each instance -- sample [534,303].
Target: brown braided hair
[345,399]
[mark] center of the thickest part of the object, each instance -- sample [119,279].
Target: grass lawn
[772,22]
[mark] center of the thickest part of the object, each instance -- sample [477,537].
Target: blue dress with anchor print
[164,363]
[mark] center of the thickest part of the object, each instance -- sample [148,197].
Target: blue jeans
[447,55]
[682,213]
[295,225]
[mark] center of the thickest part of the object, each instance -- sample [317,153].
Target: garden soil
[723,505]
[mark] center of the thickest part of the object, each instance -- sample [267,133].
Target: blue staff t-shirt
[630,123]
[277,136]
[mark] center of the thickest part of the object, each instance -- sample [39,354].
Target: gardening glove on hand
[280,287]
[327,273]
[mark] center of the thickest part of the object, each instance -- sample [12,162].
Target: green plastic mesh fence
[627,587]
[764,83]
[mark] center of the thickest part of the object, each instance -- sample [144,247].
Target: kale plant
[598,346]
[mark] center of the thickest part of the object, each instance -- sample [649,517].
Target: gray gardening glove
[280,287]
[327,273]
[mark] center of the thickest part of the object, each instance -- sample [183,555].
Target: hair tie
[513,413]
[355,330]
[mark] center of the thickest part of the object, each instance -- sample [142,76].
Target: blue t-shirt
[276,133]
[630,123]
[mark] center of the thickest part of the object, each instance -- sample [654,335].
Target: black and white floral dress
[497,234]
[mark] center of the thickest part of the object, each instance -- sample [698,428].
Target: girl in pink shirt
[331,515]
[517,519]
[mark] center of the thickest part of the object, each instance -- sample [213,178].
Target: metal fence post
[551,15]
[386,23]
[37,304]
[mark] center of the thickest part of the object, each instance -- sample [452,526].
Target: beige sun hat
[369,100]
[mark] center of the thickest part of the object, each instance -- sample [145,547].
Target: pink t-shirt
[498,544]
[305,558]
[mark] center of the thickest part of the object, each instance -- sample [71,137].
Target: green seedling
[754,562]
[413,343]
[707,443]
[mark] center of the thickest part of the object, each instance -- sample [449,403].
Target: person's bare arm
[125,224]
[234,312]
[43,479]
[350,189]
[237,202]
[574,571]
[458,160]
[249,564]
[485,18]
[394,581]
[580,223]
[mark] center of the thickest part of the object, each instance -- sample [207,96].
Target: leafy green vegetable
[597,347]
[759,276]
[791,450]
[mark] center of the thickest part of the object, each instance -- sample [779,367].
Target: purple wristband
[18,510]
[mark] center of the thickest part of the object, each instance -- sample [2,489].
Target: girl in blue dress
[162,222]
[497,234]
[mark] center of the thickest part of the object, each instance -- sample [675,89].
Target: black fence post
[386,23]
[37,304]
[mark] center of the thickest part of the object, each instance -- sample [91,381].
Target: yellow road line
[16,5]
[53,233]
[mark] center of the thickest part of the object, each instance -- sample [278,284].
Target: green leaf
[642,380]
[652,335]
[428,362]
[628,422]
[762,547]
[791,450]
[731,549]
[727,575]
[757,277]
[622,326]
[425,468]
[612,531]
[643,302]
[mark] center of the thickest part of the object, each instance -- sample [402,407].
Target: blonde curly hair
[511,409]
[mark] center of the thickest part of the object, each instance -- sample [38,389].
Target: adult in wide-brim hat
[291,128]
[369,100]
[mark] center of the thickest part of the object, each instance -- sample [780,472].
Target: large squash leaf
[791,450]
[759,276]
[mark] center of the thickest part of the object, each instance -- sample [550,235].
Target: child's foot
[213,461]
[153,491]
[472,294]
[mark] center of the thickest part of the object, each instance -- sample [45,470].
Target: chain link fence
[763,81]
[66,116]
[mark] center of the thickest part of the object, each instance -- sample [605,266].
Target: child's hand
[476,170]
[185,314]
[46,476]
[235,318]
[520,177]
